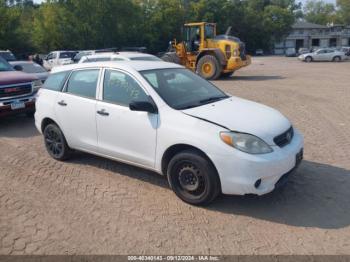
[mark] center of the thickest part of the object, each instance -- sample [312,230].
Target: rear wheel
[208,67]
[55,143]
[308,59]
[337,59]
[193,178]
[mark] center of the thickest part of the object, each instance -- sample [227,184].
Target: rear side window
[56,81]
[83,83]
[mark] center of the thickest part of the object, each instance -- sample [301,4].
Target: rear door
[76,109]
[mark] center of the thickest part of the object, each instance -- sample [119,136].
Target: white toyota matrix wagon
[163,117]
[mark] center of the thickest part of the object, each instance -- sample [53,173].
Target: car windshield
[4,66]
[145,58]
[182,89]
[67,54]
[32,68]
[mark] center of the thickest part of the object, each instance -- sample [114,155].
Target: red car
[17,90]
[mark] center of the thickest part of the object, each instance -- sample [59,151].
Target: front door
[76,109]
[124,134]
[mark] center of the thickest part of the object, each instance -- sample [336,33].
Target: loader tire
[171,58]
[208,67]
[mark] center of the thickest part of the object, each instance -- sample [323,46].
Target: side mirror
[143,106]
[18,68]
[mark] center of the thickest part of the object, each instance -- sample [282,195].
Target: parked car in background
[7,55]
[302,51]
[326,54]
[291,52]
[163,117]
[259,52]
[119,56]
[17,90]
[30,67]
[80,54]
[57,58]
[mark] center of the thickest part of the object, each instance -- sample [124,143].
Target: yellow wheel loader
[206,53]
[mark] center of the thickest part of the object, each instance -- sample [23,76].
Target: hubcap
[53,142]
[207,68]
[191,180]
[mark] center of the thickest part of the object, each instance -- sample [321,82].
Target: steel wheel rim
[207,68]
[190,180]
[54,142]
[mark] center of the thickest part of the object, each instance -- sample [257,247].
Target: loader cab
[196,34]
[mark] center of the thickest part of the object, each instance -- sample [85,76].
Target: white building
[309,35]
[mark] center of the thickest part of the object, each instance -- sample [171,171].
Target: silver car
[30,67]
[325,54]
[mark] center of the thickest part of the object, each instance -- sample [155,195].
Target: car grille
[285,138]
[15,90]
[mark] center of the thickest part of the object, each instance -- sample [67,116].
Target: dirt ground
[91,205]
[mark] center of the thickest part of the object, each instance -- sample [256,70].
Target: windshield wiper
[212,99]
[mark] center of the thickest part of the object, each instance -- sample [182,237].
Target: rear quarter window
[56,81]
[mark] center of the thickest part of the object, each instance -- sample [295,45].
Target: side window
[83,83]
[56,81]
[121,89]
[53,55]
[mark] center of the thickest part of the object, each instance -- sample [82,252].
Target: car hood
[237,114]
[42,76]
[15,77]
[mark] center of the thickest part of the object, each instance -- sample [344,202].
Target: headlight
[36,85]
[246,143]
[235,52]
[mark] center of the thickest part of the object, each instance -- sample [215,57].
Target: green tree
[319,12]
[344,11]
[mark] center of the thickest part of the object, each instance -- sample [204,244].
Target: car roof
[21,62]
[120,54]
[124,65]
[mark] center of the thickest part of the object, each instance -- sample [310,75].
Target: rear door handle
[102,112]
[62,103]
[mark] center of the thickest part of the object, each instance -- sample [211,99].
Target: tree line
[26,27]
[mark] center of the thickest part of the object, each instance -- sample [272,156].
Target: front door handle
[62,103]
[102,112]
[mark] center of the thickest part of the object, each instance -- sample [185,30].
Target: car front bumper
[5,105]
[240,173]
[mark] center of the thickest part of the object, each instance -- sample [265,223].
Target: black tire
[336,59]
[171,58]
[308,59]
[55,143]
[193,178]
[213,63]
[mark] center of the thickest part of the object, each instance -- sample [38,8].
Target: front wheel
[208,67]
[55,143]
[308,59]
[336,59]
[193,178]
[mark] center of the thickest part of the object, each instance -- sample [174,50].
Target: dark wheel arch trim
[171,151]
[46,121]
